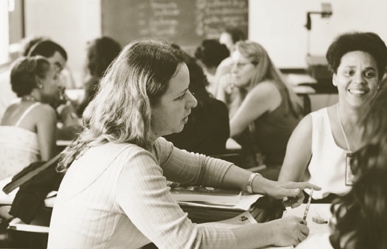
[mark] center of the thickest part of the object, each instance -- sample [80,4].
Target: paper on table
[239,220]
[244,203]
[206,194]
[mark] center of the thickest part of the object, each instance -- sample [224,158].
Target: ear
[38,83]
[334,80]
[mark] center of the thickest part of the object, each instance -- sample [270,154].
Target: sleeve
[142,194]
[190,168]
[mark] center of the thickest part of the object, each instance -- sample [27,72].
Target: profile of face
[49,86]
[357,78]
[226,39]
[170,113]
[242,69]
[57,61]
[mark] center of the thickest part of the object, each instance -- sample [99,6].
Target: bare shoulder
[265,89]
[44,111]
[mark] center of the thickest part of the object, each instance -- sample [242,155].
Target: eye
[370,74]
[349,72]
[181,96]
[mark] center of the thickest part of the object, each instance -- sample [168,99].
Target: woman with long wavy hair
[116,194]
[263,108]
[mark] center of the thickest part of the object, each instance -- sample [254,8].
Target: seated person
[28,127]
[318,148]
[57,56]
[359,217]
[263,108]
[210,54]
[207,129]
[115,192]
[100,53]
[7,96]
[229,37]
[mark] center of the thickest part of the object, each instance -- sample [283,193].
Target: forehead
[57,59]
[355,58]
[236,56]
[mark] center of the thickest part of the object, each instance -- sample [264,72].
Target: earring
[40,86]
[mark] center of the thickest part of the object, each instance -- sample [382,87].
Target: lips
[359,91]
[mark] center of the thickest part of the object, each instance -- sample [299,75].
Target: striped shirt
[116,196]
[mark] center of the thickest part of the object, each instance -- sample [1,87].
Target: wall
[71,23]
[277,24]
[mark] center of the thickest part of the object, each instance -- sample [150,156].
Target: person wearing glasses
[319,148]
[263,108]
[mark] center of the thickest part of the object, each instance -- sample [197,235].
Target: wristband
[250,182]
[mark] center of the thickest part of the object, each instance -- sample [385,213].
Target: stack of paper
[209,204]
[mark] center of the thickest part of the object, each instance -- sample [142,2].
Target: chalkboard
[185,22]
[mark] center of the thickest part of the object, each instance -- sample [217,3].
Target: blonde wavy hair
[266,70]
[121,109]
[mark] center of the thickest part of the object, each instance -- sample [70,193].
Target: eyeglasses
[239,65]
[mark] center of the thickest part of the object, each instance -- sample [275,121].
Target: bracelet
[250,182]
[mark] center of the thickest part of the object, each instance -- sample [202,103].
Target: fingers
[301,185]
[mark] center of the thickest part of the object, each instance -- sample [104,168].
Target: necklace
[342,128]
[28,98]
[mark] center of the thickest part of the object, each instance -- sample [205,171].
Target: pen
[307,206]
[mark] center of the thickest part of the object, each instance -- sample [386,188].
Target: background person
[28,127]
[323,138]
[116,194]
[208,127]
[100,53]
[229,37]
[210,54]
[263,109]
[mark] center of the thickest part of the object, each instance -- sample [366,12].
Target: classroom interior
[278,25]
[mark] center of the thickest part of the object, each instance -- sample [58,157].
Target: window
[11,28]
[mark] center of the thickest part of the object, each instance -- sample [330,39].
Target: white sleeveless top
[327,166]
[18,147]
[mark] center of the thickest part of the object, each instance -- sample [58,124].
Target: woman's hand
[226,83]
[288,231]
[290,192]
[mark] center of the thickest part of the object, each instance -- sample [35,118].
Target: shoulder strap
[26,112]
[22,179]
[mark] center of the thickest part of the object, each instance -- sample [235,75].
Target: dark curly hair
[235,33]
[46,48]
[358,41]
[211,52]
[101,52]
[361,220]
[25,72]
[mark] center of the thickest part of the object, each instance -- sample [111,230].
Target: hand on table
[290,192]
[288,231]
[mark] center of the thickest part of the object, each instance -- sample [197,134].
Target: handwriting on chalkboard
[185,22]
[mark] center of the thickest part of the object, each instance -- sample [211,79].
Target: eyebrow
[182,92]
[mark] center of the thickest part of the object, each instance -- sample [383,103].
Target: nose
[191,102]
[234,68]
[358,77]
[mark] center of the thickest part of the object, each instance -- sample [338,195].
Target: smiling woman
[324,139]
